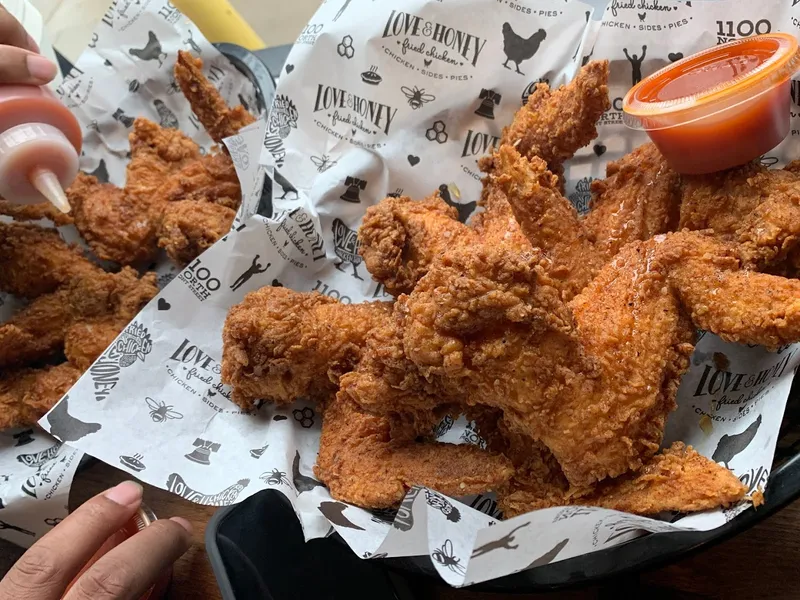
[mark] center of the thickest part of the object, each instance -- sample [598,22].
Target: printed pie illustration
[132,462]
[371,77]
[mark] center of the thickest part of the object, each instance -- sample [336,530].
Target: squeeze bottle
[40,144]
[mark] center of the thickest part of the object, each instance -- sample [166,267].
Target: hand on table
[20,61]
[125,572]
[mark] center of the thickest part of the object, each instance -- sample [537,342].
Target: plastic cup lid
[711,81]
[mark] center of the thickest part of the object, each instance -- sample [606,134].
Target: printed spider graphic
[445,557]
[275,477]
[304,416]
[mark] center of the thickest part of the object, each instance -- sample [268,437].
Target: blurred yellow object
[220,22]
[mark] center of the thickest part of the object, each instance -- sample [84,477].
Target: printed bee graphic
[417,97]
[345,245]
[445,557]
[275,477]
[323,163]
[161,412]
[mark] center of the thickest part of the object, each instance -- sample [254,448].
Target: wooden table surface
[760,562]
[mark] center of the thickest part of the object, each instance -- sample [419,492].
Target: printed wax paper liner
[156,396]
[125,73]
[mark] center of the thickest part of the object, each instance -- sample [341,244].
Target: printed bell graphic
[354,187]
[489,98]
[202,451]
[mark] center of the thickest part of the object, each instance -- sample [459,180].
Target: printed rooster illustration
[151,51]
[517,48]
[464,210]
[731,445]
[345,245]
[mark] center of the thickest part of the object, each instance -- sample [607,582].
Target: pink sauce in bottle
[40,145]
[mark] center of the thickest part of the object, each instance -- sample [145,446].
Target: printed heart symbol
[289,69]
[599,149]
[674,56]
[163,304]
[279,418]
[353,131]
[413,160]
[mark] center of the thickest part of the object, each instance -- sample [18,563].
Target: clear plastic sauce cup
[718,108]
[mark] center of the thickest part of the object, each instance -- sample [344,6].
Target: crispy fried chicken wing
[219,120]
[38,331]
[363,462]
[676,479]
[400,238]
[27,394]
[118,226]
[35,260]
[188,228]
[280,345]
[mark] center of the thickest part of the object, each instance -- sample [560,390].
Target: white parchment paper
[125,73]
[379,98]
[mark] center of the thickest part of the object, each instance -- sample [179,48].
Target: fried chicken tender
[117,226]
[188,228]
[27,394]
[676,479]
[211,178]
[34,212]
[217,118]
[281,345]
[38,331]
[400,238]
[363,462]
[36,261]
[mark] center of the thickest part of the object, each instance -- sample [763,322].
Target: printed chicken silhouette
[302,483]
[152,51]
[66,427]
[517,48]
[731,445]
[549,556]
[464,210]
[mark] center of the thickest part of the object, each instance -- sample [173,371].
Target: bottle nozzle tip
[48,185]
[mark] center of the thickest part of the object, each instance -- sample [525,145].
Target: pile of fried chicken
[563,338]
[174,198]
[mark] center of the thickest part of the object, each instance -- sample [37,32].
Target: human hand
[125,572]
[20,61]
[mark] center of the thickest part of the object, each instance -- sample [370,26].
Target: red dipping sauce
[718,108]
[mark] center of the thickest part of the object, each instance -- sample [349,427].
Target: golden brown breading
[547,219]
[219,120]
[721,201]
[35,260]
[87,339]
[769,237]
[37,332]
[27,394]
[400,238]
[363,463]
[639,198]
[189,228]
[281,345]
[554,124]
[676,479]
[156,153]
[118,226]
[34,212]
[211,178]
[485,327]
